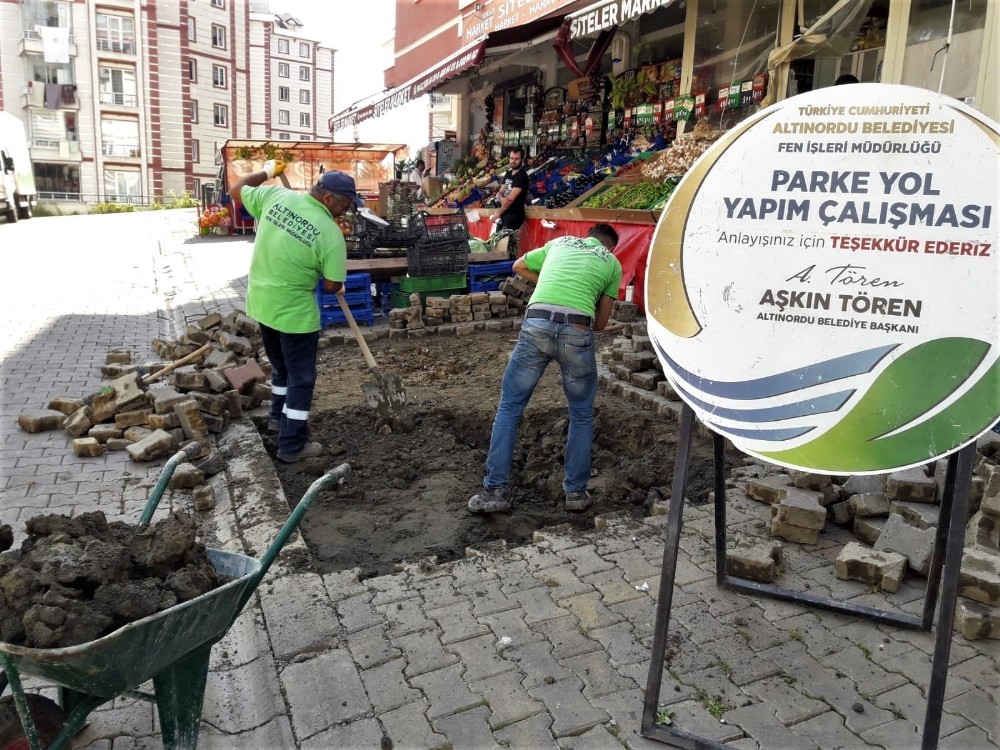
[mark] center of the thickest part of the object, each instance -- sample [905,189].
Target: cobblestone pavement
[542,646]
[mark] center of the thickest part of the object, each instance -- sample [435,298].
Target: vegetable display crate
[442,227]
[434,258]
[402,299]
[394,235]
[431,283]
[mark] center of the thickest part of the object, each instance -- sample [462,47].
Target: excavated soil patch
[406,496]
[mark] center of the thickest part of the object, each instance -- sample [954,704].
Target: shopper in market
[577,282]
[513,192]
[298,243]
[417,176]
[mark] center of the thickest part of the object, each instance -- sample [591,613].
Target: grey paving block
[469,729]
[786,698]
[323,691]
[760,723]
[898,734]
[621,644]
[915,666]
[344,584]
[357,613]
[389,589]
[536,663]
[980,670]
[538,557]
[980,709]
[528,734]
[245,641]
[797,663]
[613,587]
[386,686]
[700,623]
[131,717]
[438,591]
[405,616]
[639,613]
[691,716]
[424,652]
[363,733]
[409,729]
[487,598]
[598,675]
[828,730]
[274,734]
[537,605]
[481,657]
[511,625]
[634,566]
[597,738]
[843,696]
[370,647]
[456,622]
[742,664]
[911,703]
[567,637]
[590,611]
[470,572]
[972,738]
[563,582]
[514,575]
[586,561]
[625,710]
[507,698]
[869,677]
[572,712]
[238,700]
[447,691]
[299,615]
[817,632]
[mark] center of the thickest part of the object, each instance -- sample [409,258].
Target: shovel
[385,394]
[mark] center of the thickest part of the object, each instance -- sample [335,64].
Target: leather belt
[559,317]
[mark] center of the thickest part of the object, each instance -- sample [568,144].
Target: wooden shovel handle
[174,365]
[356,331]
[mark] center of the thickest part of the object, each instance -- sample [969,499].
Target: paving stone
[883,569]
[980,671]
[800,508]
[457,622]
[425,652]
[983,531]
[299,616]
[436,588]
[770,489]
[537,664]
[357,613]
[700,623]
[488,598]
[240,699]
[528,734]
[572,713]
[276,733]
[914,543]
[467,729]
[979,578]
[514,575]
[357,734]
[598,675]
[324,691]
[511,628]
[784,696]
[613,588]
[446,690]
[634,567]
[912,485]
[976,706]
[870,678]
[538,557]
[130,717]
[842,695]
[908,701]
[759,721]
[868,529]
[625,710]
[566,637]
[563,582]
[507,698]
[409,729]
[968,739]
[538,605]
[406,616]
[898,734]
[797,663]
[480,657]
[386,686]
[742,663]
[621,644]
[691,717]
[370,647]
[586,561]
[598,738]
[921,515]
[590,611]
[828,731]
[639,613]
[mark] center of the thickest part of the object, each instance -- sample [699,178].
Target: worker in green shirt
[297,244]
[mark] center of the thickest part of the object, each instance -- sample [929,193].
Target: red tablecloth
[633,246]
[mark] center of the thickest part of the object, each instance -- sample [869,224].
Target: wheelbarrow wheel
[48,718]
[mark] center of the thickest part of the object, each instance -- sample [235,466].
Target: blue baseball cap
[343,184]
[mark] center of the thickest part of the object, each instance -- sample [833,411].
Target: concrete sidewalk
[542,646]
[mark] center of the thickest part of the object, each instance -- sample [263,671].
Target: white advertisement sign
[823,286]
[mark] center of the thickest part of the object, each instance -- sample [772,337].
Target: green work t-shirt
[298,242]
[574,272]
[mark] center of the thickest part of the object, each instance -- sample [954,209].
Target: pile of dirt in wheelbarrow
[406,496]
[77,579]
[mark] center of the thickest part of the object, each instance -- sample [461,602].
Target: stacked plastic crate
[441,285]
[487,277]
[358,295]
[442,245]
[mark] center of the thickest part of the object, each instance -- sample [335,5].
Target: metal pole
[940,540]
[719,449]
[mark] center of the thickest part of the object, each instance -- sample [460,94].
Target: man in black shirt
[513,192]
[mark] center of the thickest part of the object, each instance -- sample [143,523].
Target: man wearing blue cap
[298,242]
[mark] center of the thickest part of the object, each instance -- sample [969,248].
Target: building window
[193,111]
[283,117]
[282,70]
[218,36]
[219,4]
[117,87]
[115,34]
[48,73]
[221,115]
[192,30]
[49,127]
[282,46]
[283,94]
[120,137]
[305,138]
[284,137]
[195,151]
[304,120]
[219,76]
[304,96]
[57,181]
[193,71]
[50,14]
[303,50]
[122,185]
[303,73]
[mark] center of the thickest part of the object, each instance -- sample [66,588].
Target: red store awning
[455,64]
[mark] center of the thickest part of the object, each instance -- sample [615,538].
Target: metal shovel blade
[385,394]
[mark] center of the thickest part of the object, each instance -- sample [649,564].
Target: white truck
[17,182]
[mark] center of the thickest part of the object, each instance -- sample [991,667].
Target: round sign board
[823,286]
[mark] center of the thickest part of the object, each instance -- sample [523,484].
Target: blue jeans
[293,377]
[540,342]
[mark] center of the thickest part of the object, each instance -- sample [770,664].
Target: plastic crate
[362,313]
[360,297]
[402,299]
[435,258]
[485,286]
[385,290]
[354,281]
[483,271]
[393,235]
[431,283]
[441,227]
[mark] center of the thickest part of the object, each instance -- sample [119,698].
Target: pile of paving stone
[217,369]
[77,579]
[631,358]
[458,309]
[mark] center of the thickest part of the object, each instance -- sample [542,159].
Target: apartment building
[128,101]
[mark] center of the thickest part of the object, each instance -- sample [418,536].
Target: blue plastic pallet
[502,267]
[326,299]
[359,280]
[484,286]
[329,316]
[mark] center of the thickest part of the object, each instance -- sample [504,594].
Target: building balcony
[31,44]
[118,47]
[43,149]
[114,99]
[35,96]
[121,150]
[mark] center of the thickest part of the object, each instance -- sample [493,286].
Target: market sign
[457,63]
[604,15]
[488,16]
[823,285]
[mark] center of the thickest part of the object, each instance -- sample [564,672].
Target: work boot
[578,501]
[490,500]
[309,450]
[273,426]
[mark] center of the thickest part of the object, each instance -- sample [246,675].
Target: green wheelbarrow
[171,647]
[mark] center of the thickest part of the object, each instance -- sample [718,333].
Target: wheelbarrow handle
[331,477]
[184,454]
